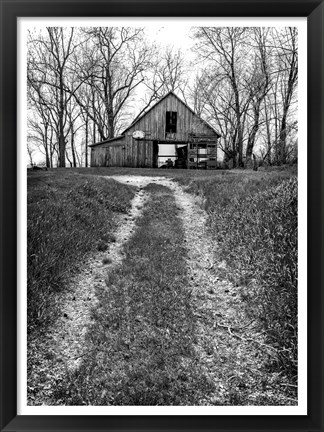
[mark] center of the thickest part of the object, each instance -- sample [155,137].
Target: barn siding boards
[153,122]
[109,154]
[126,151]
[98,157]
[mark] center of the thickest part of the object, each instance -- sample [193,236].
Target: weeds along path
[230,348]
[62,350]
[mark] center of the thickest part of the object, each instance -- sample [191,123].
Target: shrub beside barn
[168,134]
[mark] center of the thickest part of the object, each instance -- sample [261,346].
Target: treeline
[86,85]
[248,91]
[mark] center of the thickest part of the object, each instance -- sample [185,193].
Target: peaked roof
[146,112]
[159,101]
[107,141]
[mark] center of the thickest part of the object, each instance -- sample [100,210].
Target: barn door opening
[172,155]
[155,154]
[182,156]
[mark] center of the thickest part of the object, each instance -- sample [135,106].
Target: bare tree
[246,88]
[288,63]
[196,94]
[116,61]
[224,48]
[74,125]
[166,72]
[279,110]
[40,124]
[40,136]
[30,151]
[258,85]
[217,106]
[170,68]
[50,75]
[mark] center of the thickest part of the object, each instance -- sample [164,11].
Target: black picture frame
[10,10]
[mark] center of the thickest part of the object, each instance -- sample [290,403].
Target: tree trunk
[51,148]
[287,101]
[283,129]
[94,133]
[252,135]
[282,140]
[61,125]
[255,163]
[111,126]
[239,150]
[73,150]
[110,109]
[48,165]
[67,157]
[268,154]
[86,142]
[61,159]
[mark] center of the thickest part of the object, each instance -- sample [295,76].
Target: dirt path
[227,344]
[224,342]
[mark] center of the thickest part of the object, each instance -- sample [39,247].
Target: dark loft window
[171,122]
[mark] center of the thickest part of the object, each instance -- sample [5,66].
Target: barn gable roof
[158,102]
[107,141]
[111,140]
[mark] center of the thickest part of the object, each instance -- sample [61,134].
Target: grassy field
[144,314]
[69,215]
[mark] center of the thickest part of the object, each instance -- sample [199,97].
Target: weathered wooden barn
[169,134]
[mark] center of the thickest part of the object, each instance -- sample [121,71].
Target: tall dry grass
[68,215]
[253,220]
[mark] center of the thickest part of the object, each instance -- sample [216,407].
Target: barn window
[171,122]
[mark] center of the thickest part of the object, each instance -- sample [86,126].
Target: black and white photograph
[165,237]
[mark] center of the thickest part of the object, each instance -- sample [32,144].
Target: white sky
[171,35]
[166,31]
